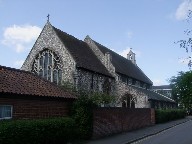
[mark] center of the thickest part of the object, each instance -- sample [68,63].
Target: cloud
[19,37]
[184,61]
[183,9]
[129,35]
[157,82]
[18,63]
[126,51]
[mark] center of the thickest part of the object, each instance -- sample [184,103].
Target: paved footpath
[132,136]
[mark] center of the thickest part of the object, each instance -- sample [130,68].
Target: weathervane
[48,17]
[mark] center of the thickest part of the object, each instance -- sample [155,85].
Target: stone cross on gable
[48,17]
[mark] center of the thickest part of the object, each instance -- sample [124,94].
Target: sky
[149,27]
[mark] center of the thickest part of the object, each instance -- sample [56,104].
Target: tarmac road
[180,134]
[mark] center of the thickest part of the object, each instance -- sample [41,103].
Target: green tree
[186,43]
[182,89]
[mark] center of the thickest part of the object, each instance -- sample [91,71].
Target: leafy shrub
[82,110]
[44,131]
[162,116]
[83,116]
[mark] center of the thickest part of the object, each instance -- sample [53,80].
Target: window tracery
[48,65]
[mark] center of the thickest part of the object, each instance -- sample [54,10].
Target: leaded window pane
[49,74]
[46,60]
[59,76]
[41,73]
[107,86]
[130,81]
[137,83]
[45,65]
[124,79]
[45,73]
[41,61]
[50,59]
[55,75]
[55,63]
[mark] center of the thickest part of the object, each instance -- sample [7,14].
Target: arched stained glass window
[48,65]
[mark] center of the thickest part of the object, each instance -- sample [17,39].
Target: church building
[59,57]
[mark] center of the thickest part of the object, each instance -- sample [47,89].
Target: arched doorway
[124,104]
[132,104]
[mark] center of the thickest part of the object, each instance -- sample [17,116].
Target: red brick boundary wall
[35,108]
[108,121]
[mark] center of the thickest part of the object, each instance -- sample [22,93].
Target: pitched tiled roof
[125,66]
[25,83]
[153,95]
[82,54]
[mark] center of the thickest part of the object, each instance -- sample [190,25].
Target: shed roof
[154,96]
[162,87]
[25,83]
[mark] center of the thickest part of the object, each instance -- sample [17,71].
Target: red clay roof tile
[25,83]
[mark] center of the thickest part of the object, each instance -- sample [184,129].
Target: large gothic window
[48,65]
